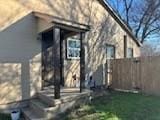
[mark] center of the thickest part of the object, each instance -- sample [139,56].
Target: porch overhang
[63,23]
[57,25]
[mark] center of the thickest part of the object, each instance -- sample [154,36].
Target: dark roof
[119,20]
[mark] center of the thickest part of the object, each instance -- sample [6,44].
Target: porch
[55,97]
[45,106]
[55,34]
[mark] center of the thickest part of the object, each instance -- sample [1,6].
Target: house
[62,42]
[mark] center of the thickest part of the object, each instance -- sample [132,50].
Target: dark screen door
[47,58]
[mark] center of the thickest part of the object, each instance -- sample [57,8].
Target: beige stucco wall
[20,47]
[20,61]
[104,30]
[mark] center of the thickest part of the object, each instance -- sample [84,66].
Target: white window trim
[68,57]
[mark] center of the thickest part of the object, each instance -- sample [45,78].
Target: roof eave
[62,22]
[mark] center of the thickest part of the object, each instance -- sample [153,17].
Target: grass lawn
[5,116]
[119,106]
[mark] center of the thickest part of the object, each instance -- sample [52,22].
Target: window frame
[132,51]
[114,52]
[68,48]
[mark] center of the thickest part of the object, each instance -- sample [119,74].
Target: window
[73,48]
[129,52]
[110,52]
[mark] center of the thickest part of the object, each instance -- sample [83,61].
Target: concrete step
[46,99]
[49,99]
[29,114]
[45,107]
[42,108]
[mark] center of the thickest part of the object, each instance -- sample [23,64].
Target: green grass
[119,106]
[5,116]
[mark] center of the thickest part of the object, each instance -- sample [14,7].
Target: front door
[47,58]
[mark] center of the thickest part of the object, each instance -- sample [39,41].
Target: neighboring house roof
[119,20]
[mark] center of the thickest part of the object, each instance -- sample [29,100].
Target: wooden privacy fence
[141,74]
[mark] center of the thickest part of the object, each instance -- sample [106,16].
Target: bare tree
[127,5]
[149,50]
[142,16]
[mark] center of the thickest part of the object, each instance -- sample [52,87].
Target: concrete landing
[45,107]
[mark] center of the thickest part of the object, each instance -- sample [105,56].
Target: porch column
[82,63]
[56,62]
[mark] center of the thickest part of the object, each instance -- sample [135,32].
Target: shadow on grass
[119,106]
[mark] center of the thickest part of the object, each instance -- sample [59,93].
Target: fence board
[137,74]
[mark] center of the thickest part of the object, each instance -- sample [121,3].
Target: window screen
[73,48]
[110,52]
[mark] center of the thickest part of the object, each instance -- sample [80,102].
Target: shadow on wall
[72,73]
[19,44]
[98,76]
[103,31]
[20,61]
